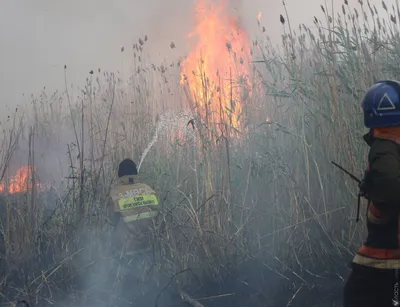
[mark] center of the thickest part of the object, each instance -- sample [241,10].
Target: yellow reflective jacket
[134,201]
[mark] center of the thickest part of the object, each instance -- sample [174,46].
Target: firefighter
[134,206]
[374,277]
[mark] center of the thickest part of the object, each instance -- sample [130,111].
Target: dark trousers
[370,287]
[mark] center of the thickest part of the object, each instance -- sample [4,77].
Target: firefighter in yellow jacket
[134,205]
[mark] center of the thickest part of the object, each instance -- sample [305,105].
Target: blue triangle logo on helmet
[381,105]
[386,104]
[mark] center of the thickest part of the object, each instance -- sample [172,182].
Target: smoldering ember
[200,178]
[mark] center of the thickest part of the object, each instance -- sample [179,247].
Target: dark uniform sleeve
[384,174]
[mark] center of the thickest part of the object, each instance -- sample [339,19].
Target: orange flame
[217,70]
[21,182]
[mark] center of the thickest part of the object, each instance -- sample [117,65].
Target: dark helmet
[127,168]
[381,105]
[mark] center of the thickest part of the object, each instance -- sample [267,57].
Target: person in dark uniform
[374,278]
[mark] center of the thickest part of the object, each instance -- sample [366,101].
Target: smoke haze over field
[38,37]
[233,201]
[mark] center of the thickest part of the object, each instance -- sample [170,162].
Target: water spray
[167,121]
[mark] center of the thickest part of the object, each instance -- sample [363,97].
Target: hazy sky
[38,37]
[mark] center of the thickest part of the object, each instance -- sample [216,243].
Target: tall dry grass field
[266,199]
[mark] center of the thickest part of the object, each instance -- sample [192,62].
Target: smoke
[38,38]
[298,13]
[43,36]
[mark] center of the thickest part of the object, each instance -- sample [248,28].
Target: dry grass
[272,199]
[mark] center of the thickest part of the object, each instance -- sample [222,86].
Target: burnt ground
[267,289]
[250,284]
[255,286]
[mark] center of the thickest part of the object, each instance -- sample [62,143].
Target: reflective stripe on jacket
[134,200]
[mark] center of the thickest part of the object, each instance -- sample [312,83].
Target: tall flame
[21,182]
[217,70]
